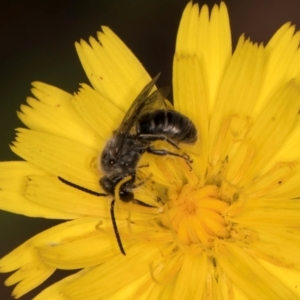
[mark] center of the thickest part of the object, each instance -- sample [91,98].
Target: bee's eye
[112,161]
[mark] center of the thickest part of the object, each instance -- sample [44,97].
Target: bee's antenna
[80,188]
[112,211]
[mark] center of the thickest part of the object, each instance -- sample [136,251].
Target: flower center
[196,214]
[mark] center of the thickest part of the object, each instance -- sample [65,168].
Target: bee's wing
[132,115]
[157,100]
[168,104]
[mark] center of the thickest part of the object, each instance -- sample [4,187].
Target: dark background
[37,43]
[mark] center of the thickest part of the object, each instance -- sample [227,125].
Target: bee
[150,118]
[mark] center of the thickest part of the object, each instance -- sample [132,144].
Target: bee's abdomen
[169,123]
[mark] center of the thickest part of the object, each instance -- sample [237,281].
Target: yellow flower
[227,229]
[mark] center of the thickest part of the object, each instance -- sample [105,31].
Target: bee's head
[109,185]
[114,162]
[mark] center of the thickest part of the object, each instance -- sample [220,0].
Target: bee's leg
[166,152]
[155,137]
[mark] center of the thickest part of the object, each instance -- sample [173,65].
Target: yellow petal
[60,157]
[13,186]
[250,276]
[33,262]
[290,149]
[54,113]
[282,62]
[112,68]
[28,277]
[275,212]
[102,115]
[288,276]
[104,279]
[65,232]
[183,286]
[236,98]
[281,179]
[203,49]
[53,292]
[273,127]
[290,187]
[207,38]
[91,245]
[49,191]
[268,245]
[191,100]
